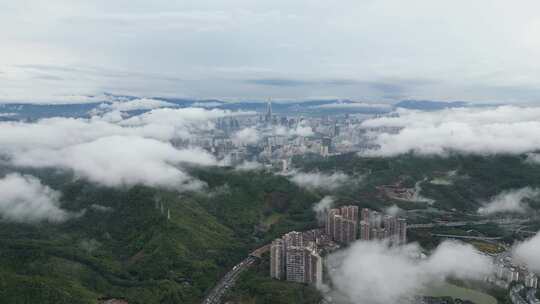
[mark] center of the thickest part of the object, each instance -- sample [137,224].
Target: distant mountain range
[28,111]
[429,105]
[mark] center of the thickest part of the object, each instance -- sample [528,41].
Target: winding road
[229,279]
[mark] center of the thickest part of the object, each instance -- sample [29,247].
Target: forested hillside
[124,245]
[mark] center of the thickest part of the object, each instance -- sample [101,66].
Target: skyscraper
[295,259]
[365,215]
[268,115]
[402,231]
[293,238]
[296,264]
[364,230]
[376,227]
[277,259]
[313,270]
[342,224]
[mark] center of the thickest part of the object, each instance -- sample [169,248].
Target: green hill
[129,249]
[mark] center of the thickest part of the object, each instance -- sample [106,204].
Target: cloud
[183,123]
[114,151]
[249,166]
[510,201]
[372,272]
[321,208]
[24,199]
[136,104]
[246,136]
[533,158]
[528,251]
[301,129]
[393,210]
[122,161]
[483,131]
[318,180]
[206,104]
[101,208]
[384,46]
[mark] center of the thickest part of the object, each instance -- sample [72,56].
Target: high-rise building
[350,212]
[330,221]
[296,264]
[268,114]
[376,227]
[313,270]
[293,238]
[364,230]
[402,231]
[365,215]
[342,224]
[296,258]
[531,280]
[277,259]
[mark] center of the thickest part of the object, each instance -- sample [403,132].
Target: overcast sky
[373,50]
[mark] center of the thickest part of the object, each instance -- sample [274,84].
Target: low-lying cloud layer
[114,152]
[321,208]
[318,180]
[122,161]
[24,199]
[509,201]
[528,253]
[246,136]
[136,104]
[371,272]
[483,131]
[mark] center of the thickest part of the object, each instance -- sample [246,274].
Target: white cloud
[390,46]
[246,136]
[533,158]
[510,201]
[183,123]
[207,104]
[24,199]
[249,166]
[111,150]
[484,131]
[372,272]
[101,208]
[528,251]
[136,104]
[300,130]
[122,161]
[321,208]
[318,180]
[393,210]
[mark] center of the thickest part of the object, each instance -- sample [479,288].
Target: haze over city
[241,152]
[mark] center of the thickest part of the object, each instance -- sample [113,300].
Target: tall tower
[277,259]
[268,115]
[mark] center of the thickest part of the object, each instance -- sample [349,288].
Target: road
[465,223]
[229,279]
[466,237]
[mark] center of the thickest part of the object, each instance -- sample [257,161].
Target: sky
[371,50]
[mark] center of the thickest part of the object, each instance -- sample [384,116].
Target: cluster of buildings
[342,224]
[376,226]
[296,257]
[507,272]
[281,137]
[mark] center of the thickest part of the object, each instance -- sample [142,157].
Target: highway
[229,279]
[466,237]
[465,223]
